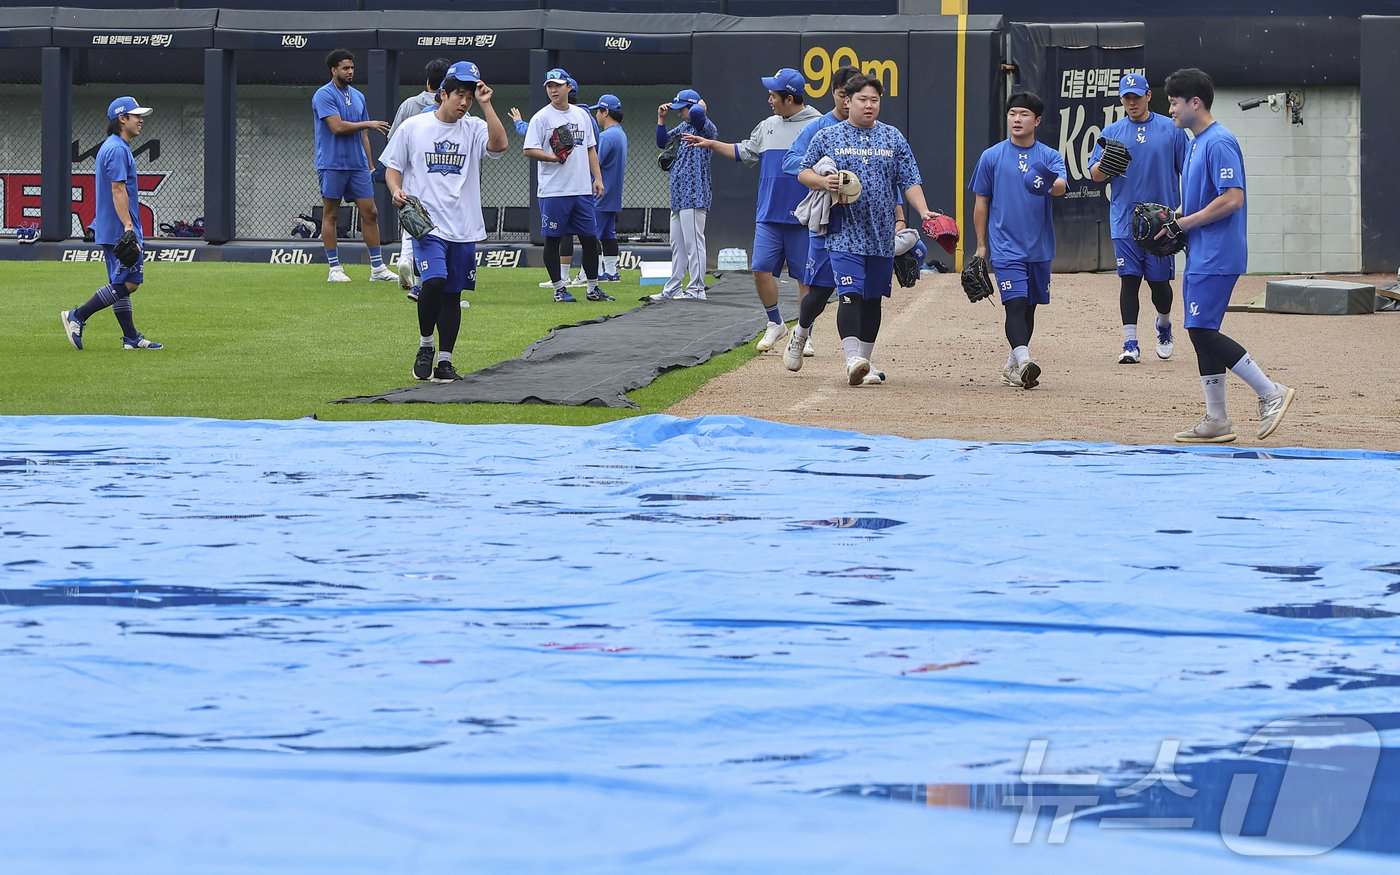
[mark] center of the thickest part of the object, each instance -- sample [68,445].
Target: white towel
[815,209]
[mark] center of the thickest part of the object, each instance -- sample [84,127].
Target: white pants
[687,251]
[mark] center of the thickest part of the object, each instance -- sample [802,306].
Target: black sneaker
[423,364]
[445,373]
[600,295]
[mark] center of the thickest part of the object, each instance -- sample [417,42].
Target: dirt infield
[944,355]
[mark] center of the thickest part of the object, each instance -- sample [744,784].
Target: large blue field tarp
[407,646]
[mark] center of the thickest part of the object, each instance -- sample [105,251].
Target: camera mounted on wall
[1291,99]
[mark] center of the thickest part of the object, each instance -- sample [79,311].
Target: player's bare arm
[914,196]
[340,126]
[596,170]
[543,156]
[1224,204]
[121,204]
[394,180]
[496,139]
[819,182]
[979,223]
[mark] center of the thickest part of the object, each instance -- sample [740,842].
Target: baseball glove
[561,142]
[1115,158]
[1151,219]
[943,229]
[414,218]
[127,250]
[906,269]
[668,154]
[976,281]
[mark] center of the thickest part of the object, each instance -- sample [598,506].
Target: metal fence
[20,143]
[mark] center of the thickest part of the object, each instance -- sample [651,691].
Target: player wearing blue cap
[691,195]
[117,210]
[612,161]
[1013,182]
[436,157]
[1213,217]
[861,234]
[778,236]
[568,186]
[1158,150]
[344,163]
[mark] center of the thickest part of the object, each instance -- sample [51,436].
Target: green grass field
[252,341]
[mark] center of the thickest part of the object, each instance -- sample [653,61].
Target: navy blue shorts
[120,273]
[352,185]
[869,276]
[568,214]
[441,259]
[1132,261]
[775,243]
[818,272]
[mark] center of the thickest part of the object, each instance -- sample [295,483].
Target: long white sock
[609,264]
[851,346]
[1252,374]
[1020,355]
[1214,387]
[866,349]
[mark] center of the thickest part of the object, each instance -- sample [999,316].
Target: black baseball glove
[561,142]
[414,218]
[1115,158]
[1151,219]
[906,269]
[127,250]
[976,281]
[668,154]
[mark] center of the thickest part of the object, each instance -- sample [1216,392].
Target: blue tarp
[442,644]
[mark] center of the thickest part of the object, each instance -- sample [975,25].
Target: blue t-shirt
[339,151]
[612,161]
[115,163]
[1214,163]
[690,175]
[792,161]
[882,159]
[1158,148]
[1020,225]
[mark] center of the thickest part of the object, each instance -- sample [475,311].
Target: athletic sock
[851,346]
[774,314]
[1164,320]
[801,333]
[100,300]
[1020,355]
[333,258]
[121,308]
[1214,387]
[610,264]
[426,341]
[444,357]
[1252,374]
[376,257]
[1130,334]
[866,349]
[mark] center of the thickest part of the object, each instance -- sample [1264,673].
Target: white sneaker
[1208,431]
[382,274]
[693,296]
[1028,373]
[405,274]
[547,284]
[874,378]
[1011,376]
[337,275]
[1165,346]
[1132,353]
[662,295]
[857,370]
[792,356]
[1272,408]
[578,281]
[775,332]
[807,348]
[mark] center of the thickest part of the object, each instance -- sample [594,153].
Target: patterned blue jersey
[1214,163]
[882,159]
[1158,148]
[339,151]
[115,163]
[690,175]
[612,161]
[1020,225]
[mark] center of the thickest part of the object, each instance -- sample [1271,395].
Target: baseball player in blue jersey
[118,210]
[1213,217]
[344,165]
[860,237]
[423,101]
[1158,150]
[691,195]
[778,236]
[1014,181]
[817,274]
[612,161]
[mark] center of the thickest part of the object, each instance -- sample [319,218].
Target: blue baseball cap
[785,81]
[685,97]
[126,106]
[1133,83]
[608,101]
[573,85]
[558,74]
[462,71]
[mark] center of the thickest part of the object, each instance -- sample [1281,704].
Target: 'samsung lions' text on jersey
[1020,225]
[1214,163]
[1158,148]
[882,159]
[574,176]
[441,166]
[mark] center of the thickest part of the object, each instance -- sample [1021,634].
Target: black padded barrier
[1380,130]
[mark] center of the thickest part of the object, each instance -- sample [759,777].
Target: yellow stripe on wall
[960,183]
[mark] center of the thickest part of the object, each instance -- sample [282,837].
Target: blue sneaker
[413,293]
[72,328]
[140,342]
[609,278]
[1165,346]
[562,296]
[1131,354]
[600,295]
